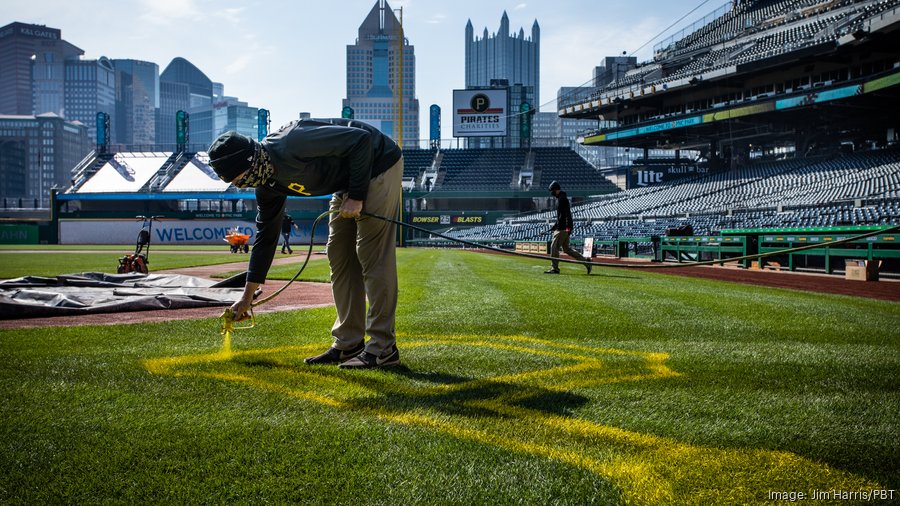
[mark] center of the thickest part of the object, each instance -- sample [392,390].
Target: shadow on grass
[450,401]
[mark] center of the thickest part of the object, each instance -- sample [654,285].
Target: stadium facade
[381,76]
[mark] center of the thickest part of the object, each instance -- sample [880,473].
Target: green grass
[111,247]
[517,387]
[317,270]
[14,265]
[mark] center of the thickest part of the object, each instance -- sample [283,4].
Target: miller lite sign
[648,177]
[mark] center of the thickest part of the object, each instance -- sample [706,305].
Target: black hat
[554,186]
[230,155]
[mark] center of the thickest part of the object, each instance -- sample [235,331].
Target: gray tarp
[94,292]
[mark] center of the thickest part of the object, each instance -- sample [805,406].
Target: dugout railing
[693,248]
[878,247]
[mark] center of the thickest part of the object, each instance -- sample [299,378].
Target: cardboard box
[862,270]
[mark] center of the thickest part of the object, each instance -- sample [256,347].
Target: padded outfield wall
[112,219]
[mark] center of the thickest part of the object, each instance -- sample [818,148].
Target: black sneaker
[551,271]
[366,360]
[588,267]
[335,356]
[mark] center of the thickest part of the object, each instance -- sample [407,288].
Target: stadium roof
[146,172]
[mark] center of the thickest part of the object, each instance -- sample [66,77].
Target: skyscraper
[512,57]
[137,97]
[32,64]
[376,74]
[90,88]
[185,87]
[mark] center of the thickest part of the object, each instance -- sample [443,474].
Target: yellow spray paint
[647,468]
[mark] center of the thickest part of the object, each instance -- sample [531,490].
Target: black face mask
[259,173]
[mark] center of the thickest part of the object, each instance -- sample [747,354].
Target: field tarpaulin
[93,292]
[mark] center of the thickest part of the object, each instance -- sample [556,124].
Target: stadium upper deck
[804,52]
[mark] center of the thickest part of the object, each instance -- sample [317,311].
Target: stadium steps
[169,170]
[439,168]
[87,167]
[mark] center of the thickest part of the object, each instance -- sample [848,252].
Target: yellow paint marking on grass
[649,469]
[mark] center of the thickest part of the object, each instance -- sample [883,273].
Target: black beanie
[231,154]
[554,186]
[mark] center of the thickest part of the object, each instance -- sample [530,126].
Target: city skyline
[296,63]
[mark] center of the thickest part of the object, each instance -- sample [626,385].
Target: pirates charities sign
[479,113]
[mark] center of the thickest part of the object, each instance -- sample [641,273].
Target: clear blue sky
[289,55]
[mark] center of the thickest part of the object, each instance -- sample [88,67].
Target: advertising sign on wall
[479,113]
[184,232]
[640,176]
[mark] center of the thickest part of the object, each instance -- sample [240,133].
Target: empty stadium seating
[570,169]
[481,169]
[415,161]
[856,189]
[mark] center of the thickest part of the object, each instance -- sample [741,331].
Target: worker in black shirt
[363,170]
[561,230]
[286,224]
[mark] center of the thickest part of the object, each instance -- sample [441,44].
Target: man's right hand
[241,308]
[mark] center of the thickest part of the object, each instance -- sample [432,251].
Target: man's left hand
[351,208]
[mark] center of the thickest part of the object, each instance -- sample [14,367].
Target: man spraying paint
[561,230]
[363,170]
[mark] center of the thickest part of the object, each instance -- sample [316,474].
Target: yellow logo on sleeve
[299,188]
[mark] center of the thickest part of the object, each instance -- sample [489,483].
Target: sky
[289,56]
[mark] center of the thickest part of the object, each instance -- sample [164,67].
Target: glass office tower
[376,72]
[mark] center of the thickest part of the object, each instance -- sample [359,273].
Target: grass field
[621,387]
[15,264]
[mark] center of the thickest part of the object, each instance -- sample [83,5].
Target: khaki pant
[363,259]
[561,241]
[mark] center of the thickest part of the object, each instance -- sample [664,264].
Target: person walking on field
[363,170]
[286,224]
[561,230]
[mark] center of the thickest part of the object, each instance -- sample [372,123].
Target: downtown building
[32,69]
[381,77]
[505,61]
[184,87]
[37,154]
[50,97]
[38,145]
[90,88]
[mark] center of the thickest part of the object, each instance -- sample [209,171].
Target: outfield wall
[180,232]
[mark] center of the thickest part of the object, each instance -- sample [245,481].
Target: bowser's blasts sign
[479,113]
